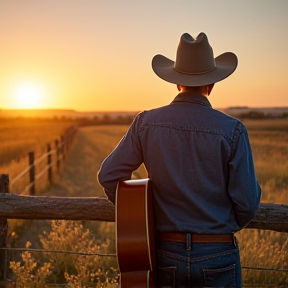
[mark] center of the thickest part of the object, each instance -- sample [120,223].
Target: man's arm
[120,164]
[243,186]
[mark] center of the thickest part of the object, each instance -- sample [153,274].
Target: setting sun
[29,95]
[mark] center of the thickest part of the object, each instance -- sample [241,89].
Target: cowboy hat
[195,64]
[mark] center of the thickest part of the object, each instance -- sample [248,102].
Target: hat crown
[194,56]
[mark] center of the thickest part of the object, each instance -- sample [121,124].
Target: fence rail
[269,217]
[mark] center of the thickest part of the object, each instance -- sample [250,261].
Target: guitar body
[135,233]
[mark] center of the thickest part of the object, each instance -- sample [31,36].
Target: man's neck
[203,90]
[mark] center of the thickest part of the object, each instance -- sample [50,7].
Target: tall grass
[21,136]
[267,249]
[77,178]
[259,249]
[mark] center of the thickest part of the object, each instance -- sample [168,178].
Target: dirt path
[78,177]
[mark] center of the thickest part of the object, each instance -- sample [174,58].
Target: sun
[29,95]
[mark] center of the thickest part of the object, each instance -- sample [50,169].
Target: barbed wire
[265,269]
[68,135]
[59,252]
[115,255]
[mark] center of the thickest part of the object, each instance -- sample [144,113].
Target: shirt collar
[192,98]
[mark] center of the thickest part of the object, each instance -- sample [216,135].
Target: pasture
[259,249]
[19,136]
[267,249]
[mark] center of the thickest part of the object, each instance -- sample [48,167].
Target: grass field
[265,249]
[21,136]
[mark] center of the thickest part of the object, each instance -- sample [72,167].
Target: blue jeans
[198,265]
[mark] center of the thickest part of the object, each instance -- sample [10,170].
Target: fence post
[4,188]
[63,146]
[49,162]
[32,173]
[66,137]
[57,154]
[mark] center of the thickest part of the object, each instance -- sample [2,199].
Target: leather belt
[196,238]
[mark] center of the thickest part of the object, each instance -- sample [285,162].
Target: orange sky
[91,55]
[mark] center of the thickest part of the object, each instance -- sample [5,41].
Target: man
[201,166]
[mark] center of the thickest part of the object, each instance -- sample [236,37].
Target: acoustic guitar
[135,233]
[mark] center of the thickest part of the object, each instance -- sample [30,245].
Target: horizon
[130,111]
[97,56]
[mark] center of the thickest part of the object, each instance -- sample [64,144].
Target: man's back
[187,149]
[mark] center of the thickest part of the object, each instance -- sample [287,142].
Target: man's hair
[193,88]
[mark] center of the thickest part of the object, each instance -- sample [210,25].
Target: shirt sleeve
[124,159]
[243,187]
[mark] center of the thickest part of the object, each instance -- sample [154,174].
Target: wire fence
[59,252]
[58,154]
[115,255]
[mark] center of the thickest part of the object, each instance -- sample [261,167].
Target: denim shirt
[200,163]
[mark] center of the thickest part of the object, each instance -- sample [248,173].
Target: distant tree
[253,115]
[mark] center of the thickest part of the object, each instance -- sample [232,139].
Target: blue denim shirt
[200,163]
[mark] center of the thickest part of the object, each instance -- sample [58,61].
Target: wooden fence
[62,145]
[269,217]
[14,206]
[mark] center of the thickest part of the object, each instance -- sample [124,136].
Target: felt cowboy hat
[195,64]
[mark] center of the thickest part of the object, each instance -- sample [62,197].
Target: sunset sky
[92,55]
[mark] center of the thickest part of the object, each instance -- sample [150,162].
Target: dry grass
[258,248]
[267,124]
[76,271]
[21,136]
[267,249]
[270,151]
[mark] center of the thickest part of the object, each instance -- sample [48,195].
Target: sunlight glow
[29,95]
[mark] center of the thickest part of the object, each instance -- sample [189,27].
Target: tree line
[106,119]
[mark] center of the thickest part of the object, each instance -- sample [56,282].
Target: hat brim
[226,64]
